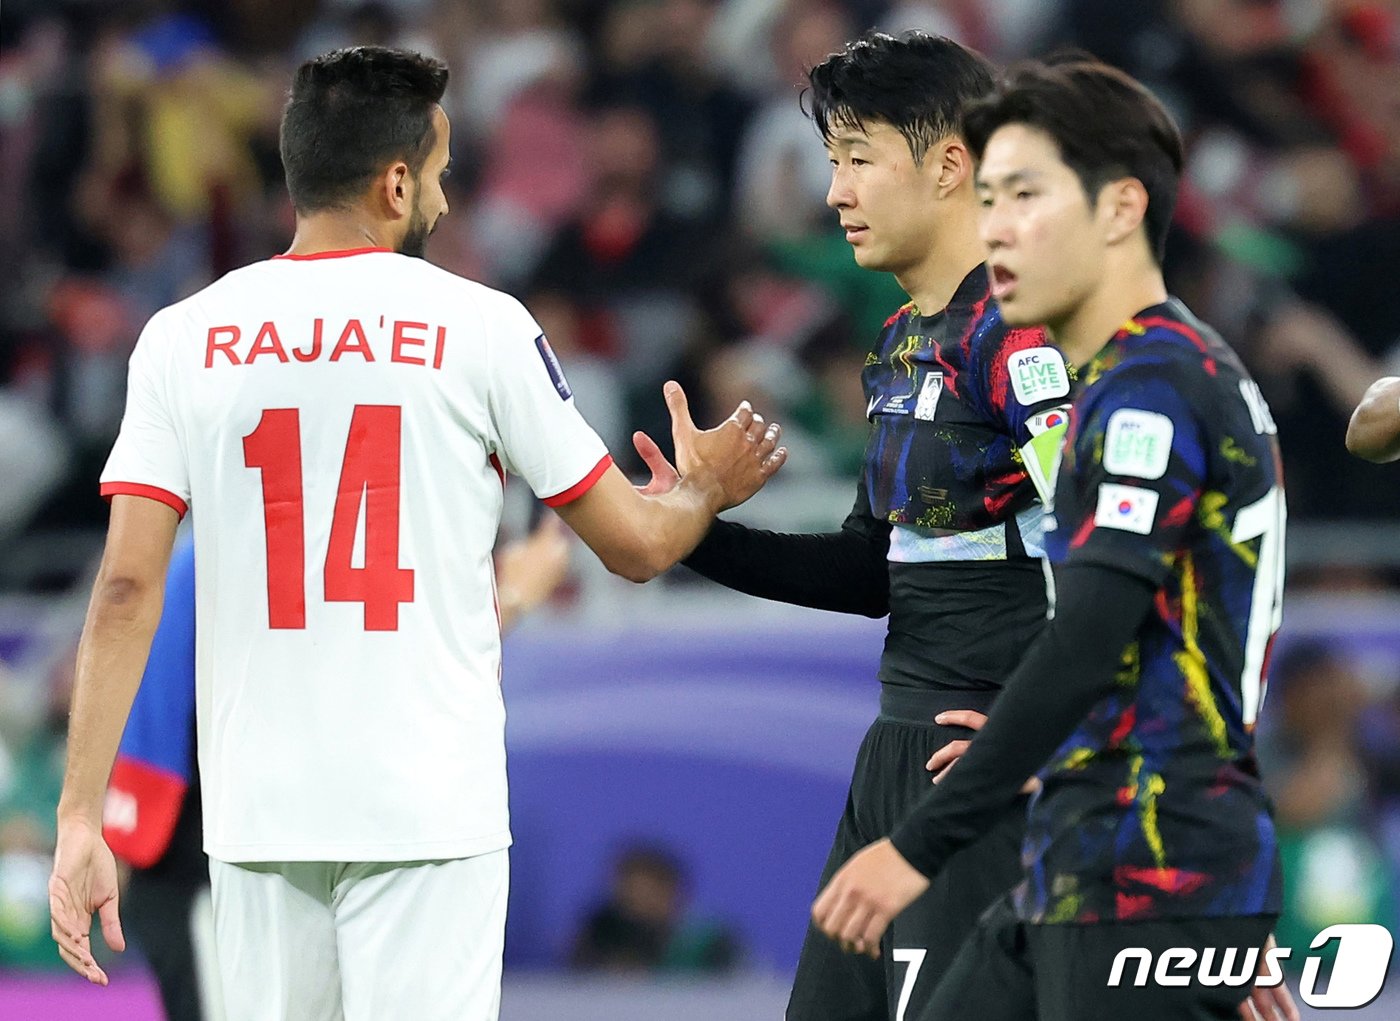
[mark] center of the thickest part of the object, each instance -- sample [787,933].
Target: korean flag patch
[1038,374]
[1126,508]
[1047,420]
[556,371]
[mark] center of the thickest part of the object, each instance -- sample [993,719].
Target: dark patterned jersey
[952,398]
[1153,808]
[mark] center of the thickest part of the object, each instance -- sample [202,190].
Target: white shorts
[370,941]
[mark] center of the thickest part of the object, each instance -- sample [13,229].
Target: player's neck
[932,283]
[1118,297]
[337,232]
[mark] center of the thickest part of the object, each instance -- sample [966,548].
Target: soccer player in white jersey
[341,419]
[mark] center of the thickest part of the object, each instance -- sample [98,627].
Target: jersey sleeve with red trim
[148,458]
[538,432]
[1132,474]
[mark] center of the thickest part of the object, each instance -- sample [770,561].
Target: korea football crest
[928,397]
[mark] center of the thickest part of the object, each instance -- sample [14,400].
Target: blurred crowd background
[642,175]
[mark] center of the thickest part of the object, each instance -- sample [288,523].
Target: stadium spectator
[643,926]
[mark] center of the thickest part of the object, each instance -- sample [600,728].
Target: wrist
[708,487]
[79,813]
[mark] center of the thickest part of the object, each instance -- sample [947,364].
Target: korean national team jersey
[957,403]
[1153,809]
[340,425]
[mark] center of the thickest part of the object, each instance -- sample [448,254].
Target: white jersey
[339,423]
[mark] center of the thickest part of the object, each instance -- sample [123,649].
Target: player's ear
[397,190]
[954,164]
[1122,208]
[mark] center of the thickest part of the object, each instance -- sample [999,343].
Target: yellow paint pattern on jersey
[1146,798]
[1151,832]
[904,354]
[1212,518]
[1192,662]
[1076,759]
[1066,909]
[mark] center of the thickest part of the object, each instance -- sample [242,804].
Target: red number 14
[370,474]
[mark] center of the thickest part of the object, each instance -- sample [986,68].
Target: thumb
[111,924]
[652,456]
[663,475]
[648,450]
[679,407]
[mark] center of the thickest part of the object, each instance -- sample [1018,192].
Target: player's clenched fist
[864,897]
[742,452]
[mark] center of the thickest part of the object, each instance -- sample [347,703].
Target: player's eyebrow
[850,138]
[1010,180]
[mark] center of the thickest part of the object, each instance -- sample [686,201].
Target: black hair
[350,114]
[1106,125]
[917,82]
[653,860]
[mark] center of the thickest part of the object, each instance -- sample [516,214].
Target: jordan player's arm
[639,536]
[116,640]
[1374,432]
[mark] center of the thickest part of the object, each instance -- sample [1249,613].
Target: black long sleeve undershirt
[1068,669]
[845,571]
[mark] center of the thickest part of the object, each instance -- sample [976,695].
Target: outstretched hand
[741,453]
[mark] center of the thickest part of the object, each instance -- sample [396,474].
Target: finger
[822,907]
[70,947]
[652,456]
[1283,1003]
[77,957]
[111,924]
[874,930]
[743,414]
[969,718]
[854,924]
[773,462]
[679,407]
[769,441]
[1265,1005]
[839,912]
[85,968]
[65,917]
[947,755]
[757,426]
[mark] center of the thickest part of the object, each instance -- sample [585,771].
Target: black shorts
[889,778]
[1014,971]
[159,914]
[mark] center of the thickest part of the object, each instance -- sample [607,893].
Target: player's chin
[1016,311]
[867,256]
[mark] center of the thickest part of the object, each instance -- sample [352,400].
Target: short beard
[415,239]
